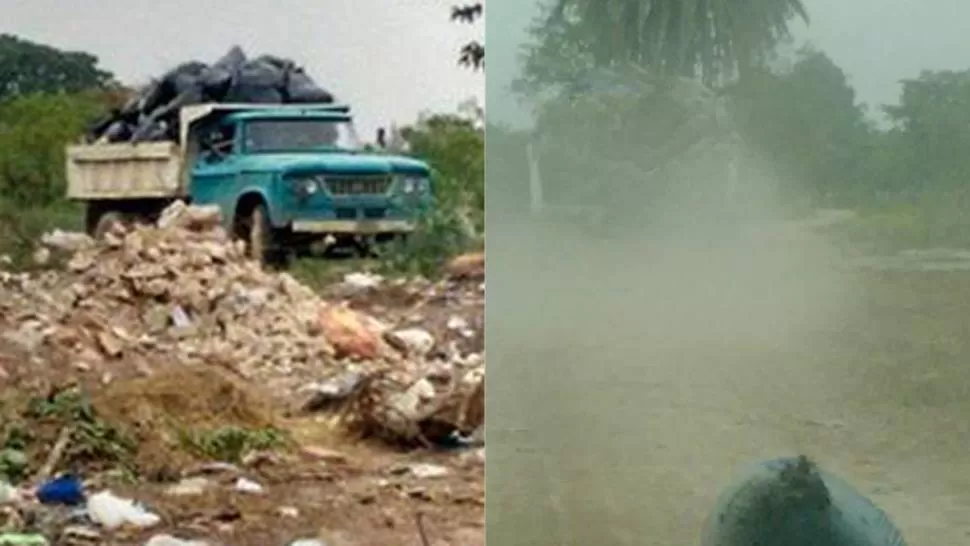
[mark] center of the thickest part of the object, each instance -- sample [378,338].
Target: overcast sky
[390,59]
[877,42]
[394,58]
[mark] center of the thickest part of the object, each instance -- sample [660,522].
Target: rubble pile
[153,113]
[182,293]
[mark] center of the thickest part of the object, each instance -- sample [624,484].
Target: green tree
[930,123]
[472,54]
[707,38]
[27,67]
[33,133]
[454,144]
[34,130]
[806,121]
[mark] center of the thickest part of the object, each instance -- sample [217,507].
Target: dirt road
[646,376]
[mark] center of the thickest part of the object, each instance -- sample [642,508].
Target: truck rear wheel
[105,222]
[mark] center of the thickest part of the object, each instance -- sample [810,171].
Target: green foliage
[454,145]
[472,54]
[230,443]
[27,422]
[34,130]
[27,68]
[805,121]
[708,39]
[930,131]
[441,233]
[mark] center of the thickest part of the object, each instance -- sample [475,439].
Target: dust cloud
[634,373]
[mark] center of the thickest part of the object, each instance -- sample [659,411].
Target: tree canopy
[711,39]
[27,67]
[472,54]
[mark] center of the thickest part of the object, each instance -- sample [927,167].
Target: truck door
[215,169]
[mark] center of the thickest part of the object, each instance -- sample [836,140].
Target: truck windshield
[300,135]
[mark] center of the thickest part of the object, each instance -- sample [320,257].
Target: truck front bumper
[353,227]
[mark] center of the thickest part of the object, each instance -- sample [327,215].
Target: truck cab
[283,176]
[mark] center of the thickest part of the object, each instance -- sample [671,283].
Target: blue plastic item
[66,489]
[791,502]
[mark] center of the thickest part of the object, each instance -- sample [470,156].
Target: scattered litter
[8,493]
[248,486]
[426,471]
[363,280]
[66,490]
[413,341]
[169,540]
[20,539]
[308,542]
[189,487]
[112,512]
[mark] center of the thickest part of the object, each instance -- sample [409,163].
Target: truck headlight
[306,186]
[411,185]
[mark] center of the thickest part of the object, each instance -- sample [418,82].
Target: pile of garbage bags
[153,113]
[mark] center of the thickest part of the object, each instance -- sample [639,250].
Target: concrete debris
[413,341]
[182,292]
[244,485]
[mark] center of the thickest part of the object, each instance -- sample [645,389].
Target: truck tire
[258,234]
[791,502]
[105,222]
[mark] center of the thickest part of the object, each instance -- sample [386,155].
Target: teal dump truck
[283,176]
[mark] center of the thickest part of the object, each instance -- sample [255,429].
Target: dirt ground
[132,416]
[616,416]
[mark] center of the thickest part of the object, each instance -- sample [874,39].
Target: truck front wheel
[254,228]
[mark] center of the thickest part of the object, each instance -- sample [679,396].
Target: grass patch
[31,428]
[926,223]
[231,443]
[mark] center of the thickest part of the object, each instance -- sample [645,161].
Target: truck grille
[358,185]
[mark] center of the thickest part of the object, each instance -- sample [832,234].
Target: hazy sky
[877,42]
[390,59]
[394,58]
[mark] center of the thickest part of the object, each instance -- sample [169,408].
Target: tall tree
[712,39]
[931,123]
[27,67]
[472,54]
[806,121]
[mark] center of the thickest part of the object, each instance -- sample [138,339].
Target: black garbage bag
[257,82]
[279,63]
[165,119]
[232,60]
[791,502]
[155,131]
[218,79]
[186,77]
[154,96]
[99,126]
[130,110]
[119,131]
[300,88]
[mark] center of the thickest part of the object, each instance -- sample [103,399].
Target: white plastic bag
[112,512]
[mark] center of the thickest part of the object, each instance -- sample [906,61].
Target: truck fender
[254,194]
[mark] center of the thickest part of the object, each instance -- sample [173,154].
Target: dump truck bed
[124,171]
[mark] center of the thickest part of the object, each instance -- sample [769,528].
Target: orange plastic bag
[348,333]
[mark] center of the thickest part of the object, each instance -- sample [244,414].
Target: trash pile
[148,299]
[152,115]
